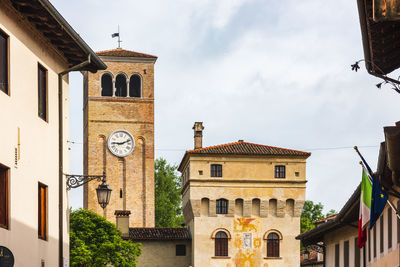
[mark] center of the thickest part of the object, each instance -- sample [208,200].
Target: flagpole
[118,38]
[388,200]
[395,210]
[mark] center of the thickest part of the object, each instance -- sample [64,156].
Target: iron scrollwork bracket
[74,180]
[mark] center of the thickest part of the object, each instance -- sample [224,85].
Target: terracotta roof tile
[324,220]
[119,52]
[245,148]
[155,233]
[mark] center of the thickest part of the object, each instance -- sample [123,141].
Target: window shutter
[337,255]
[357,253]
[3,198]
[389,228]
[346,253]
[3,63]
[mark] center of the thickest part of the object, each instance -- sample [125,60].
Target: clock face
[120,143]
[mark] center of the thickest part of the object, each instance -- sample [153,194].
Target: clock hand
[124,142]
[120,143]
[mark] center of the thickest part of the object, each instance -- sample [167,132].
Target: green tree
[168,211]
[96,242]
[311,213]
[331,212]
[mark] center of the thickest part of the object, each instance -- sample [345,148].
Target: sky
[268,72]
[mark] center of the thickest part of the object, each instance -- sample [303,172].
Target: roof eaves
[104,52]
[332,224]
[208,147]
[95,60]
[364,33]
[193,151]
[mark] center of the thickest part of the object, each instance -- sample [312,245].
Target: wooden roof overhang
[381,41]
[388,170]
[348,216]
[47,20]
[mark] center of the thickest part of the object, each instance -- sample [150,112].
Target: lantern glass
[103,195]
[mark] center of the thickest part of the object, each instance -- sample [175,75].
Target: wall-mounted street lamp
[103,191]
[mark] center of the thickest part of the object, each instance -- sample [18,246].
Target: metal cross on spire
[117,35]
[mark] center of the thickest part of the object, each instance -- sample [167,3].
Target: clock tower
[118,130]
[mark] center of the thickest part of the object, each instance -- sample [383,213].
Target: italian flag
[365,208]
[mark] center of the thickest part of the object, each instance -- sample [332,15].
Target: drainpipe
[61,158]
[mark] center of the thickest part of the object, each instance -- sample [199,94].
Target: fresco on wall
[247,240]
[242,225]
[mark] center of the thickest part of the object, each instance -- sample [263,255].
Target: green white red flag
[365,208]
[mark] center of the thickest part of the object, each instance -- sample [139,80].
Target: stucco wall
[38,143]
[163,254]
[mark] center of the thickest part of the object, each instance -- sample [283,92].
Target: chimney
[123,221]
[198,134]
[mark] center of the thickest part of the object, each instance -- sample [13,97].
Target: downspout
[61,158]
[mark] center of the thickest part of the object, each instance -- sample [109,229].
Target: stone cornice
[245,183]
[119,99]
[128,59]
[122,121]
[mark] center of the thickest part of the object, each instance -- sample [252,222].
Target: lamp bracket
[76,180]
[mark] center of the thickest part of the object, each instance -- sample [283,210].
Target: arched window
[222,206]
[273,245]
[106,85]
[135,86]
[120,85]
[221,244]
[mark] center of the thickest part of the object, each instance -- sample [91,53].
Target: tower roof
[245,148]
[119,52]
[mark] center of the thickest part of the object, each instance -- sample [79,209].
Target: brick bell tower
[118,130]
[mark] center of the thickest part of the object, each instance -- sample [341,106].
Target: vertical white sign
[247,241]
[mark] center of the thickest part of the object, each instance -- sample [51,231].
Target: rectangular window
[42,92]
[381,234]
[337,263]
[4,196]
[216,170]
[346,253]
[280,171]
[374,233]
[222,206]
[389,220]
[357,252]
[42,211]
[398,223]
[369,245]
[180,250]
[3,62]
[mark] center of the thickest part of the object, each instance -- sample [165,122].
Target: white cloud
[270,72]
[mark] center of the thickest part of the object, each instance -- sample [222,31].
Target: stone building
[242,203]
[163,247]
[119,134]
[38,49]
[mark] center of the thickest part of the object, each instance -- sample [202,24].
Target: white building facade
[34,50]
